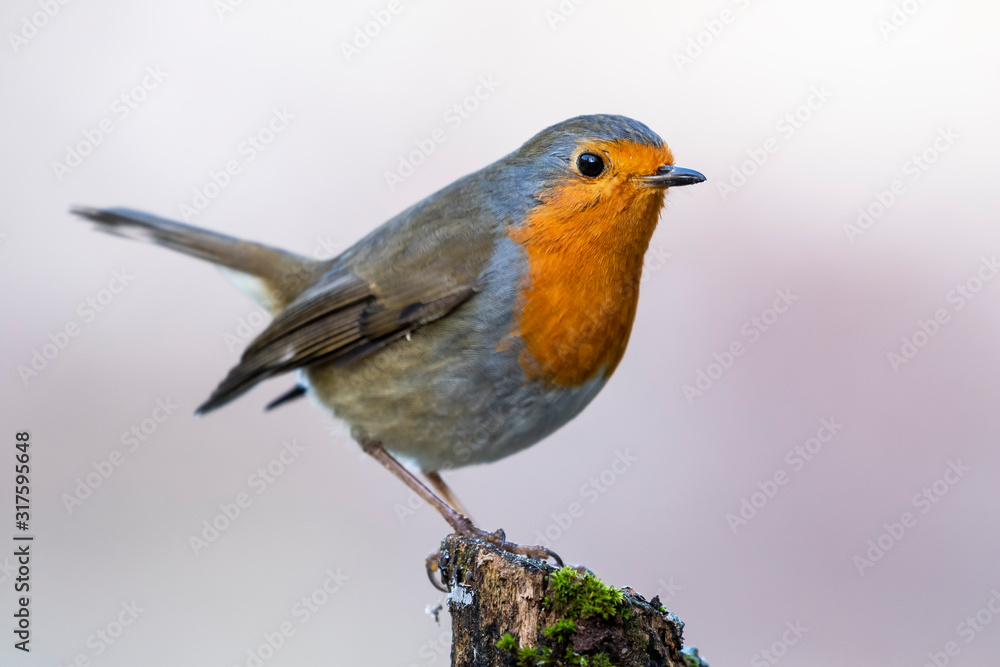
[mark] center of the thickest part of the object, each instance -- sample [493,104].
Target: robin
[471,325]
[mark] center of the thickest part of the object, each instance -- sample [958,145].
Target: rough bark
[568,618]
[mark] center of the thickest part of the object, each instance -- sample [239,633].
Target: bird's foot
[432,567]
[498,539]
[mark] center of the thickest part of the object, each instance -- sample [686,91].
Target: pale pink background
[714,265]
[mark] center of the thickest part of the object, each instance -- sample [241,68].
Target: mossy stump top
[512,611]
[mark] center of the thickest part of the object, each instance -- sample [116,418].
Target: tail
[270,276]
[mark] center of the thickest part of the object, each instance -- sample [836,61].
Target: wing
[341,318]
[413,270]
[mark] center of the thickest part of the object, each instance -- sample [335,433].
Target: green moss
[507,643]
[582,595]
[596,660]
[571,597]
[527,657]
[542,656]
[561,631]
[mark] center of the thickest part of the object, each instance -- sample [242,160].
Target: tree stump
[512,611]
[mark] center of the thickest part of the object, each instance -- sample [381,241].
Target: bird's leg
[458,521]
[449,496]
[445,492]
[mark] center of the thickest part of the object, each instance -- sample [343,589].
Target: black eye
[590,165]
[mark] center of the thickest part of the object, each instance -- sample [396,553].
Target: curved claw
[432,567]
[533,551]
[497,538]
[554,556]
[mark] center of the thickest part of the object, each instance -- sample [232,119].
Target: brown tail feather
[283,275]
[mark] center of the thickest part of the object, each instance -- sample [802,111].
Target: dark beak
[670,176]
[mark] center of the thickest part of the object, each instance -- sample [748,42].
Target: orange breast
[577,305]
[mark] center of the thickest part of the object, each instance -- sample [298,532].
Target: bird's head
[602,161]
[599,177]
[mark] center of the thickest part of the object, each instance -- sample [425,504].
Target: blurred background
[828,495]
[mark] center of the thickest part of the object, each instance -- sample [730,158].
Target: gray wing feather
[340,319]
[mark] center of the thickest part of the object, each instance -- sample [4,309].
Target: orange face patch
[585,243]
